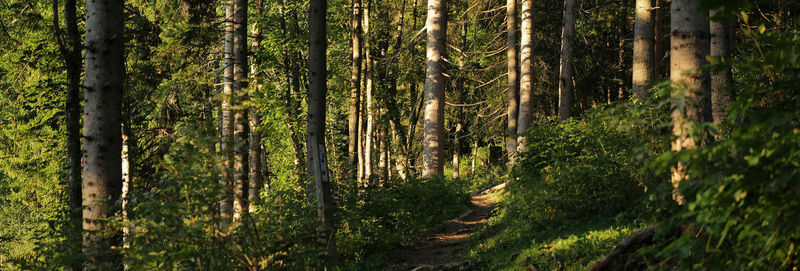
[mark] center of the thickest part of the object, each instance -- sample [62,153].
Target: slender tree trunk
[621,71]
[513,80]
[433,158]
[128,147]
[525,112]
[361,122]
[690,99]
[459,89]
[226,204]
[722,34]
[71,53]
[102,164]
[643,50]
[474,156]
[355,84]
[368,99]
[565,77]
[658,36]
[241,129]
[317,158]
[256,179]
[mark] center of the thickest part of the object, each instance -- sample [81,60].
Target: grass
[509,242]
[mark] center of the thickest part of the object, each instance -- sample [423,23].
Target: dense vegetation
[578,187]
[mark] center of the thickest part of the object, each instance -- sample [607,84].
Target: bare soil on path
[436,251]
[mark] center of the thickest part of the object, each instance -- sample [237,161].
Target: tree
[241,129]
[526,73]
[227,144]
[643,48]
[565,76]
[355,85]
[368,88]
[433,142]
[255,173]
[102,164]
[513,80]
[722,39]
[71,51]
[689,98]
[317,157]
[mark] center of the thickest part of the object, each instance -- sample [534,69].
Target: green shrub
[591,165]
[744,197]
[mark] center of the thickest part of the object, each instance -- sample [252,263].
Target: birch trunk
[355,85]
[368,87]
[433,143]
[526,74]
[317,158]
[513,80]
[690,101]
[565,77]
[102,164]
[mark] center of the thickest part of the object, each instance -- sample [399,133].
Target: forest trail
[436,251]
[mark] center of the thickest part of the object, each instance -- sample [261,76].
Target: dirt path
[437,250]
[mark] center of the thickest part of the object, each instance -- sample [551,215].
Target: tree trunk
[71,54]
[128,143]
[643,50]
[317,158]
[241,128]
[513,80]
[368,87]
[102,164]
[459,89]
[658,36]
[256,179]
[690,101]
[433,158]
[722,37]
[525,112]
[355,84]
[565,77]
[225,205]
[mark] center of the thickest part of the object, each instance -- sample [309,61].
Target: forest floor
[437,250]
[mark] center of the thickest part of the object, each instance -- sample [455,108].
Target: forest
[399,135]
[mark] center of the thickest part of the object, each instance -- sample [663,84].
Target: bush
[591,166]
[744,198]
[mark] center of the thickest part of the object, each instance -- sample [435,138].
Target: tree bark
[317,158]
[658,36]
[690,99]
[368,88]
[643,48]
[525,112]
[355,84]
[226,183]
[255,174]
[433,153]
[71,54]
[722,34]
[513,80]
[102,163]
[565,77]
[241,128]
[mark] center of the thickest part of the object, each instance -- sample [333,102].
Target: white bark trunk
[433,153]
